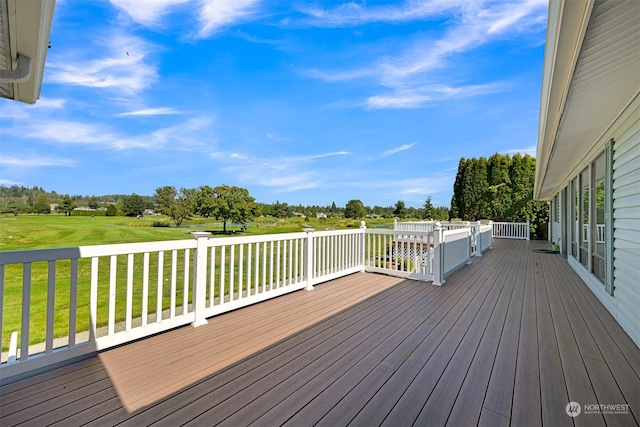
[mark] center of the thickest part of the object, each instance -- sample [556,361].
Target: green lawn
[49,231]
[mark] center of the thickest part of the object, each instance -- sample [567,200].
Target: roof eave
[566,28]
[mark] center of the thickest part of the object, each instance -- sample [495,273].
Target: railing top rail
[238,240]
[35,255]
[399,232]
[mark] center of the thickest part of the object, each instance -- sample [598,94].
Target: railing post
[477,239]
[308,259]
[528,230]
[363,237]
[200,278]
[438,255]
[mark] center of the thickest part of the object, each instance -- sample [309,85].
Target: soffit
[25,27]
[605,79]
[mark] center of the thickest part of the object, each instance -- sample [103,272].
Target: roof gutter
[21,74]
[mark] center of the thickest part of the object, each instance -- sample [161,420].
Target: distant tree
[499,189]
[225,203]
[41,204]
[13,207]
[112,210]
[282,210]
[400,209]
[66,206]
[354,209]
[429,211]
[133,205]
[93,202]
[177,206]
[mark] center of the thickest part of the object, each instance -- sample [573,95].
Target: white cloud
[217,14]
[526,150]
[181,136]
[147,12]
[123,67]
[150,112]
[409,73]
[33,160]
[352,14]
[393,151]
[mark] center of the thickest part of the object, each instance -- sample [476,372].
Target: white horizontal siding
[626,224]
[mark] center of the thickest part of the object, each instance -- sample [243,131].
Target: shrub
[160,224]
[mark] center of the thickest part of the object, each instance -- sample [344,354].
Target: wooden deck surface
[508,340]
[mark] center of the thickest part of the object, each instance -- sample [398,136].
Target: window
[590,217]
[575,236]
[597,231]
[584,217]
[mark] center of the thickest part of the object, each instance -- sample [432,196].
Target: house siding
[624,303]
[626,225]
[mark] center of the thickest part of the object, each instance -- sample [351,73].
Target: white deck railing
[511,230]
[97,297]
[481,234]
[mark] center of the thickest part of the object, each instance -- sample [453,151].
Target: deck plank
[499,396]
[366,349]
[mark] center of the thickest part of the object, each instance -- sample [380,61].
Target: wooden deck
[508,340]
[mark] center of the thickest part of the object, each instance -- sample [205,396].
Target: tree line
[499,188]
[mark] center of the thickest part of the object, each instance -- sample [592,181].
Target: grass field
[50,231]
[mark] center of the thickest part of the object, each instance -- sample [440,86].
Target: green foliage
[89,213]
[111,210]
[226,203]
[160,224]
[501,189]
[93,202]
[354,209]
[66,206]
[41,204]
[177,206]
[400,209]
[133,205]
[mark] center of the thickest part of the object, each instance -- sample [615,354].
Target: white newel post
[363,236]
[308,259]
[438,255]
[477,238]
[528,228]
[200,277]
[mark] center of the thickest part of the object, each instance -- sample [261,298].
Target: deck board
[508,340]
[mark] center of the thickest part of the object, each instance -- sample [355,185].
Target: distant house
[299,214]
[321,215]
[588,154]
[53,206]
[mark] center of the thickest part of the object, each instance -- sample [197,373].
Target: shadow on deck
[509,340]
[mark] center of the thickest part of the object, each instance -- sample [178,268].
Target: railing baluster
[73,302]
[145,288]
[249,263]
[93,299]
[112,295]
[223,263]
[185,292]
[26,308]
[160,286]
[231,272]
[51,303]
[264,266]
[212,278]
[129,309]
[174,284]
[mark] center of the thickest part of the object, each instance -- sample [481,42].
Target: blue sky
[304,102]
